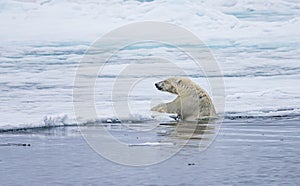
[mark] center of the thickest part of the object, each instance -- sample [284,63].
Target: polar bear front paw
[159,108]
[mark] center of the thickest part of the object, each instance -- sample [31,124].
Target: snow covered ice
[256,44]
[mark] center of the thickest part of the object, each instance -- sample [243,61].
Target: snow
[256,44]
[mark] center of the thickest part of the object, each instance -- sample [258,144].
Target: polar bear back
[195,102]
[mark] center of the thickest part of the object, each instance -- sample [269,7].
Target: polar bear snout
[158,85]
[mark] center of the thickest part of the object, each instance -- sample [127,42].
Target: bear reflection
[195,134]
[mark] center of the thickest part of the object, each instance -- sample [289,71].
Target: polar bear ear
[178,81]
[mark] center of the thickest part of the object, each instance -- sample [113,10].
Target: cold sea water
[246,152]
[255,43]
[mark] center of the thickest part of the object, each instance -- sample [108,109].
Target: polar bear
[192,102]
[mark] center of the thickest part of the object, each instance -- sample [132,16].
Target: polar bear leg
[172,107]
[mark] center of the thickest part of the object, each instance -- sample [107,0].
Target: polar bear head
[169,85]
[175,85]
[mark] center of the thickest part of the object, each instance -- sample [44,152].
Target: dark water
[245,152]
